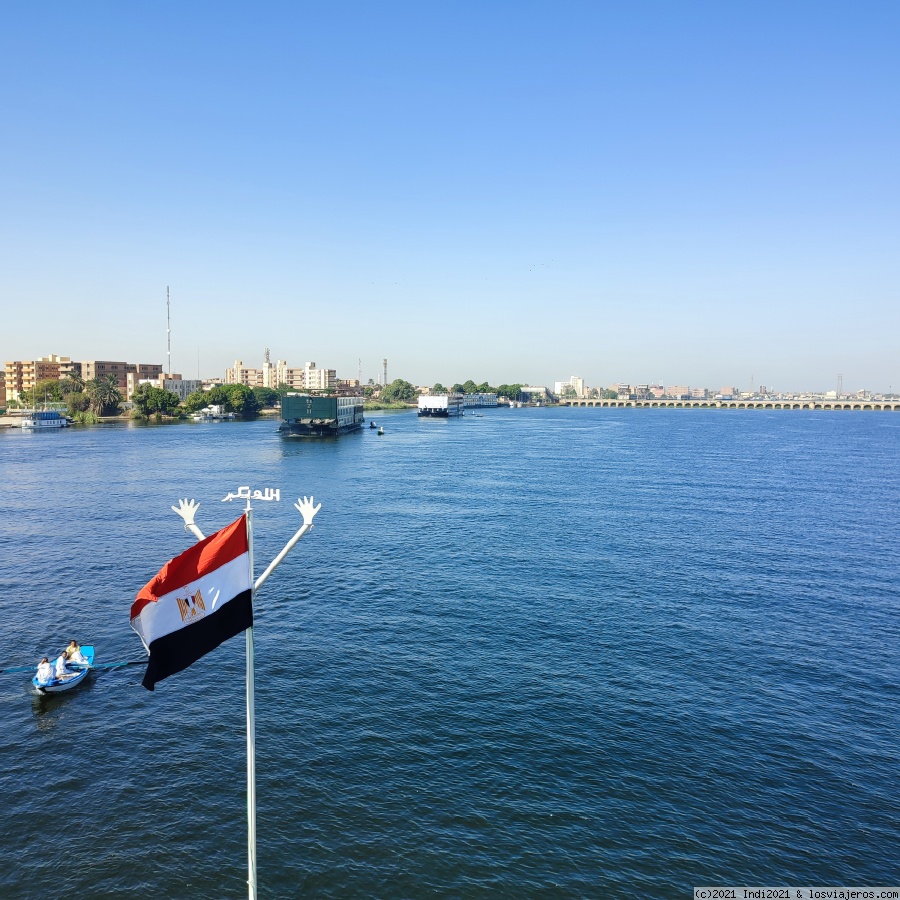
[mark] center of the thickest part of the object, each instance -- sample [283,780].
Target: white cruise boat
[41,419]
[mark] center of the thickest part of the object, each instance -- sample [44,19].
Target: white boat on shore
[213,413]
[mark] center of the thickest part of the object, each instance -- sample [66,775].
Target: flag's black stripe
[178,650]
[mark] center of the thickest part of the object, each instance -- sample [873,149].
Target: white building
[575,383]
[308,378]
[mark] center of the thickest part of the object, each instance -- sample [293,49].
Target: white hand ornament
[306,509]
[186,509]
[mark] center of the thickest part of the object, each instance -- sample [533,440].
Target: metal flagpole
[307,508]
[251,731]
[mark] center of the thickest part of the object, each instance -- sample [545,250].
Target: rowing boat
[80,674]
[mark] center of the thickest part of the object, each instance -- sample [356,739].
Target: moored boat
[40,419]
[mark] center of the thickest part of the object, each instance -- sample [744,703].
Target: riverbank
[375,405]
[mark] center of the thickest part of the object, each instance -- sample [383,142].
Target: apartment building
[575,383]
[307,378]
[22,375]
[128,375]
[267,376]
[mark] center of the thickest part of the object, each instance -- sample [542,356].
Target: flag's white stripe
[158,619]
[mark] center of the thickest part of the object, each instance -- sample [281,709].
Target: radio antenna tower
[840,386]
[385,372]
[169,329]
[359,371]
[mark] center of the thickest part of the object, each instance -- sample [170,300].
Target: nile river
[540,653]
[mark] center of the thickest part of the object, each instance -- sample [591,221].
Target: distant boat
[380,432]
[41,419]
[372,425]
[56,685]
[214,413]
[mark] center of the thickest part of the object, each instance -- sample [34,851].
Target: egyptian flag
[196,602]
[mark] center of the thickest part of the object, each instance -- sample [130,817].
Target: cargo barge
[307,415]
[441,406]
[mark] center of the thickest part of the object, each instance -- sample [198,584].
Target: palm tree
[105,395]
[73,383]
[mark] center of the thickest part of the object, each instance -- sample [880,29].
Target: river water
[540,652]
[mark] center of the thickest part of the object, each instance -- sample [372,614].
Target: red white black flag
[196,602]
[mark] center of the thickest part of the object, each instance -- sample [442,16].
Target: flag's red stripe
[197,561]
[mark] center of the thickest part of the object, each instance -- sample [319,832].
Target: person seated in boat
[74,654]
[61,671]
[45,671]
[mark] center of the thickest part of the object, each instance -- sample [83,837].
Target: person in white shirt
[44,671]
[62,673]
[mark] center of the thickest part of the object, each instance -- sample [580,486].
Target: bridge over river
[884,405]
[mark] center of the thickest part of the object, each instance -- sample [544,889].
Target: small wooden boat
[380,432]
[79,674]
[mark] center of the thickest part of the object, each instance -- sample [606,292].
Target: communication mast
[359,372]
[840,386]
[169,329]
[385,372]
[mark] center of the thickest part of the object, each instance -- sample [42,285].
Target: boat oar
[110,665]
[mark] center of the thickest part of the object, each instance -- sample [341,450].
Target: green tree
[458,388]
[400,391]
[267,396]
[195,401]
[104,394]
[47,390]
[470,387]
[73,383]
[218,394]
[78,402]
[609,394]
[149,400]
[439,389]
[240,400]
[509,390]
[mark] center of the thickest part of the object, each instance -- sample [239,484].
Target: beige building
[241,374]
[309,378]
[2,390]
[127,375]
[22,375]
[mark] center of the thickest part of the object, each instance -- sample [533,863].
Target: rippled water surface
[549,652]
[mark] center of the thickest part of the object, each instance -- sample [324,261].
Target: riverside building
[309,377]
[22,375]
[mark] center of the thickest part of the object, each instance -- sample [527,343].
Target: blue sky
[695,193]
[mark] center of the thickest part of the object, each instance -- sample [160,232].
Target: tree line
[402,391]
[87,401]
[470,387]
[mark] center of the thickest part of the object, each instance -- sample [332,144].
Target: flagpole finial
[306,509]
[186,509]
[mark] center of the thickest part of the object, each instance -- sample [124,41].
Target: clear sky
[695,193]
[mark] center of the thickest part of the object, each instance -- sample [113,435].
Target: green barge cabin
[309,415]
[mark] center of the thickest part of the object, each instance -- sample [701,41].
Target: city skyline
[312,375]
[630,193]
